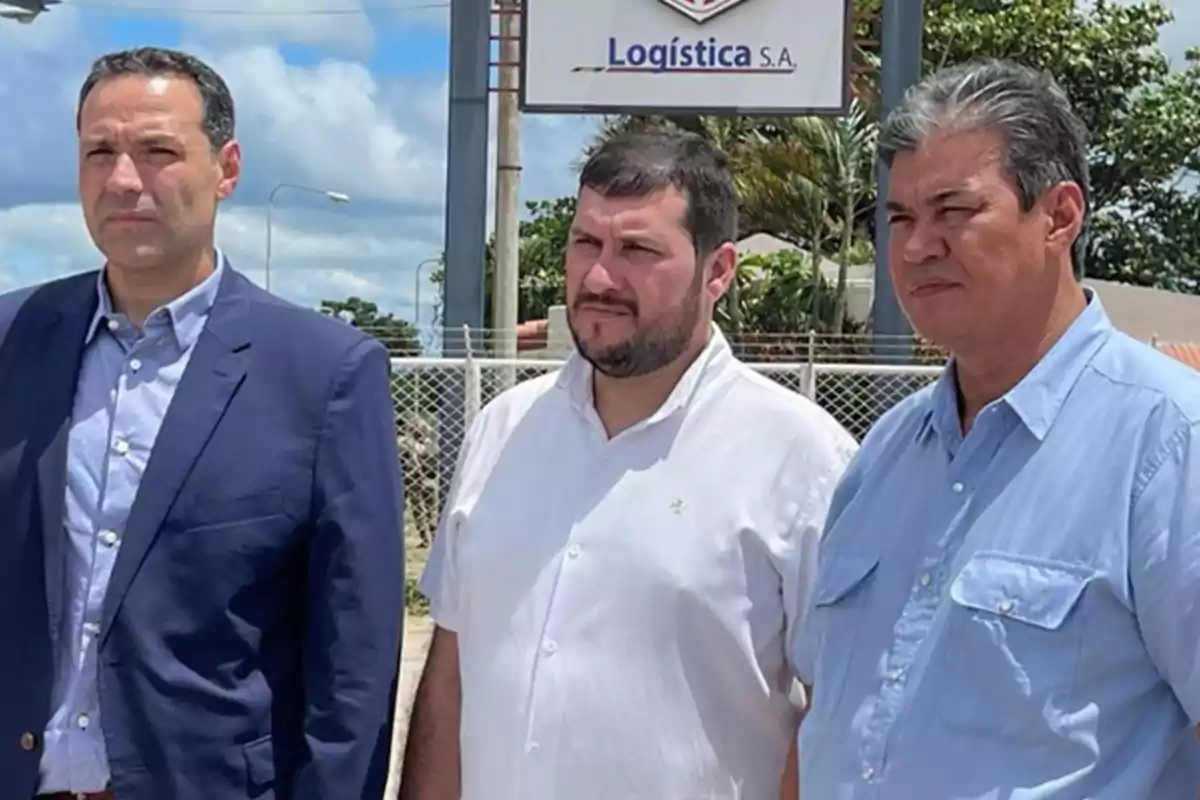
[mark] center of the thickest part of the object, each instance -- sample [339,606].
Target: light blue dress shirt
[1014,614]
[126,382]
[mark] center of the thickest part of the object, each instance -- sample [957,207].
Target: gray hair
[218,114]
[1045,142]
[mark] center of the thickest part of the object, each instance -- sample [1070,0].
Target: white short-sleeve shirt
[624,607]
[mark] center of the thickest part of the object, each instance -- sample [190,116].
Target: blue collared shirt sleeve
[1165,562]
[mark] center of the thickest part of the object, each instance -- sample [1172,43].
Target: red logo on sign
[701,11]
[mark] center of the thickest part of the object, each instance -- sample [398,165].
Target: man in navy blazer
[201,549]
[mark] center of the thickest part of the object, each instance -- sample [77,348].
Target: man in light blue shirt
[127,379]
[201,504]
[1008,597]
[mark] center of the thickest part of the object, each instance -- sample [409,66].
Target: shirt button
[28,742]
[896,675]
[135,364]
[549,646]
[573,551]
[109,538]
[91,628]
[113,324]
[926,579]
[1006,606]
[531,748]
[957,487]
[868,773]
[82,721]
[121,446]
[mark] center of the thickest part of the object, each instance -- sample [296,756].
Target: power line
[244,12]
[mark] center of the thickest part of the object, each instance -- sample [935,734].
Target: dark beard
[650,350]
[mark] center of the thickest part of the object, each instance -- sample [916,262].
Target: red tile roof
[1187,353]
[532,335]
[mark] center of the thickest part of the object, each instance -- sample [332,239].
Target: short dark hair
[218,115]
[1045,142]
[637,163]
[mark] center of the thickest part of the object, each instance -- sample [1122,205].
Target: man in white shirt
[627,550]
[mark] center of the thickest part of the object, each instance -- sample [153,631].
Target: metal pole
[901,68]
[466,211]
[267,274]
[466,170]
[506,280]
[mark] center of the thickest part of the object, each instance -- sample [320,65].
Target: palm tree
[802,179]
[779,186]
[846,152]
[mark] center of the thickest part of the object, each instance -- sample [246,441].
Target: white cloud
[49,33]
[311,258]
[334,24]
[319,251]
[341,26]
[326,126]
[330,125]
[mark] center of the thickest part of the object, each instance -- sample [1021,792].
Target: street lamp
[333,197]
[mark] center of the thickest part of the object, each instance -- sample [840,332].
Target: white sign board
[753,57]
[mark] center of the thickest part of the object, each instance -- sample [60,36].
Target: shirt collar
[185,315]
[1038,398]
[576,377]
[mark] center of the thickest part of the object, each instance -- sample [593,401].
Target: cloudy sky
[346,95]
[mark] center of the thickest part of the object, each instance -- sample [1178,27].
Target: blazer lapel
[216,369]
[57,371]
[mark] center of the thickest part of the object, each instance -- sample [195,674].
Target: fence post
[810,370]
[472,385]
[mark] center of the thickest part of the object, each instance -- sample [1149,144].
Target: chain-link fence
[437,398]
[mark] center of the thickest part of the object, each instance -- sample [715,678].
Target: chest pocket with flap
[1015,632]
[830,641]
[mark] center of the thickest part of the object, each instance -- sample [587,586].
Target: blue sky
[351,99]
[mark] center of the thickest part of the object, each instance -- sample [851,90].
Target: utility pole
[506,279]
[466,173]
[466,223]
[901,52]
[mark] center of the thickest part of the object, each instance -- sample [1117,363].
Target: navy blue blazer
[252,626]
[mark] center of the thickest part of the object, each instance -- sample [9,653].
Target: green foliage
[1143,117]
[1156,242]
[775,295]
[543,243]
[399,336]
[415,602]
[544,238]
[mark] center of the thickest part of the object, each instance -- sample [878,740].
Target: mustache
[612,300]
[127,204]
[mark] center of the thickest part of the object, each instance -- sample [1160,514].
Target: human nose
[124,178]
[922,243]
[598,277]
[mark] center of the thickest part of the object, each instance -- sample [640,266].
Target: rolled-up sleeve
[795,554]
[439,580]
[1165,562]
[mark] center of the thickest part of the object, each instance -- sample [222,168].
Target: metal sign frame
[527,107]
